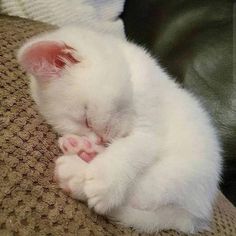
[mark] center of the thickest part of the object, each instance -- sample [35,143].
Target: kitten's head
[81,82]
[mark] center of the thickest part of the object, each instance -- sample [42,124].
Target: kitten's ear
[46,59]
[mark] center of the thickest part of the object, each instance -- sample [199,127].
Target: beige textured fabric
[30,203]
[103,15]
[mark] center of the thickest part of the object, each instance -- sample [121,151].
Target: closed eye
[88,123]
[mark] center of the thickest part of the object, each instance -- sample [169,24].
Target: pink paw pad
[82,146]
[87,144]
[73,142]
[87,157]
[70,144]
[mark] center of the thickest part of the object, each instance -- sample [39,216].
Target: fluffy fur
[162,166]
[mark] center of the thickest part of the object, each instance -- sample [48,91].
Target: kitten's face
[80,87]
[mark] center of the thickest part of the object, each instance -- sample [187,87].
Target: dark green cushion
[193,39]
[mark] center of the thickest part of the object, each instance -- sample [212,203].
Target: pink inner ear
[46,59]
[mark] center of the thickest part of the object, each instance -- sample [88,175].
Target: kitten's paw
[73,144]
[70,175]
[100,188]
[81,146]
[136,202]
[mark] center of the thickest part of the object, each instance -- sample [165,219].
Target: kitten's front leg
[110,174]
[70,175]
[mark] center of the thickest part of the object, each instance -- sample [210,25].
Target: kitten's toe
[69,144]
[55,178]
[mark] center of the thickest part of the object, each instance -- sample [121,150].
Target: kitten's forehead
[100,81]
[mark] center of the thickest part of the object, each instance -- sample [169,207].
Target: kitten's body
[163,165]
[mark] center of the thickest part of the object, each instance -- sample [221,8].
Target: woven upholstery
[30,203]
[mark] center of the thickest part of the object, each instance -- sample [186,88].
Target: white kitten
[162,167]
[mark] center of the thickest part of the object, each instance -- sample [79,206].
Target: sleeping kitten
[161,165]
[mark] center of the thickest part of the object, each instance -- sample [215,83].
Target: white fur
[163,165]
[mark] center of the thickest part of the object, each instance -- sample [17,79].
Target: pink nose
[101,140]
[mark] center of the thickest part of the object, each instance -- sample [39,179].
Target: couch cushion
[30,203]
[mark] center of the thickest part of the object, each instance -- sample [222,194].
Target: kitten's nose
[101,140]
